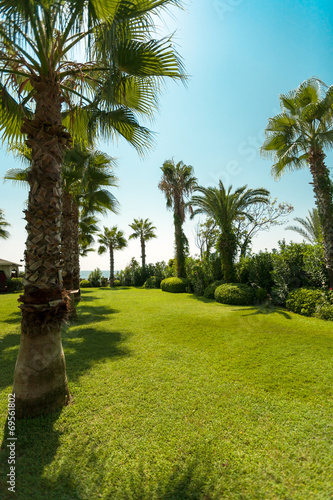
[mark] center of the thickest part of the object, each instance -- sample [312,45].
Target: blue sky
[240,55]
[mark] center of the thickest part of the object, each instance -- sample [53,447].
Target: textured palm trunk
[40,382]
[67,246]
[179,242]
[227,245]
[143,255]
[111,266]
[323,190]
[76,252]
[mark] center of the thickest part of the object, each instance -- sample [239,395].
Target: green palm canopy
[70,71]
[298,138]
[310,227]
[4,234]
[225,207]
[111,239]
[145,231]
[177,183]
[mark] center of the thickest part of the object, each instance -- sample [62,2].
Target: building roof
[4,262]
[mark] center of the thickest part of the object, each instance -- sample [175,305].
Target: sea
[84,274]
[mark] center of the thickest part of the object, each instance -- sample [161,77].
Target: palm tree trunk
[67,246]
[227,245]
[76,252]
[111,267]
[143,255]
[40,382]
[179,242]
[323,190]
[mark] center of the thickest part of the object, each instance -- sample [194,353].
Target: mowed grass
[179,398]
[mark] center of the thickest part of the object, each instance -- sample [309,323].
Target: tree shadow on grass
[200,298]
[263,310]
[36,445]
[13,318]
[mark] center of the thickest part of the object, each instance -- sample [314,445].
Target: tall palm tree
[110,240]
[144,230]
[225,208]
[297,138]
[40,76]
[177,184]
[4,234]
[310,228]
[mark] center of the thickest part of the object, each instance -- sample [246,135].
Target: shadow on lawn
[256,310]
[35,448]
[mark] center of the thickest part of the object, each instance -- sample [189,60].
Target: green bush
[85,284]
[174,285]
[152,282]
[256,270]
[304,301]
[116,283]
[104,281]
[260,294]
[324,311]
[14,284]
[237,294]
[95,277]
[210,289]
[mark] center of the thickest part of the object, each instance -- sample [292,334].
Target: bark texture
[323,191]
[40,383]
[111,266]
[179,241]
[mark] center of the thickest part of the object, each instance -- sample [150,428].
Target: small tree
[144,230]
[112,239]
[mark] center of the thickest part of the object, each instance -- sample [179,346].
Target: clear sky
[240,55]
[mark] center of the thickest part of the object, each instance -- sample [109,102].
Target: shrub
[152,282]
[256,270]
[85,284]
[116,283]
[289,270]
[104,281]
[174,285]
[303,301]
[210,289]
[260,294]
[14,284]
[314,266]
[324,311]
[95,277]
[198,274]
[237,294]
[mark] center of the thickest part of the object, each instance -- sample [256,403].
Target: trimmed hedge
[304,301]
[236,294]
[14,284]
[116,283]
[152,282]
[175,285]
[85,284]
[210,289]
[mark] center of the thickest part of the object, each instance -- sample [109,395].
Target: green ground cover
[176,397]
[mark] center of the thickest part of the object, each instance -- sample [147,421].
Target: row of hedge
[308,302]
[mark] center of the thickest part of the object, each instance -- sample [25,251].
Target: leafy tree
[206,235]
[111,240]
[44,87]
[261,217]
[177,184]
[144,230]
[225,208]
[310,228]
[3,223]
[297,138]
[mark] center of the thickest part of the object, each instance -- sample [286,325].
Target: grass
[176,397]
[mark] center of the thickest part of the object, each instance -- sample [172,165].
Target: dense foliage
[236,294]
[303,301]
[175,285]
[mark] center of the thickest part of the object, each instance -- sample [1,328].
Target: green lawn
[176,397]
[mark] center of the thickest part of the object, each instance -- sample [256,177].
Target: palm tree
[4,234]
[225,208]
[112,239]
[310,228]
[143,229]
[121,73]
[297,138]
[177,184]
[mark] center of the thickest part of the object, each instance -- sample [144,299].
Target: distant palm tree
[143,229]
[177,184]
[297,138]
[3,223]
[112,239]
[225,208]
[310,228]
